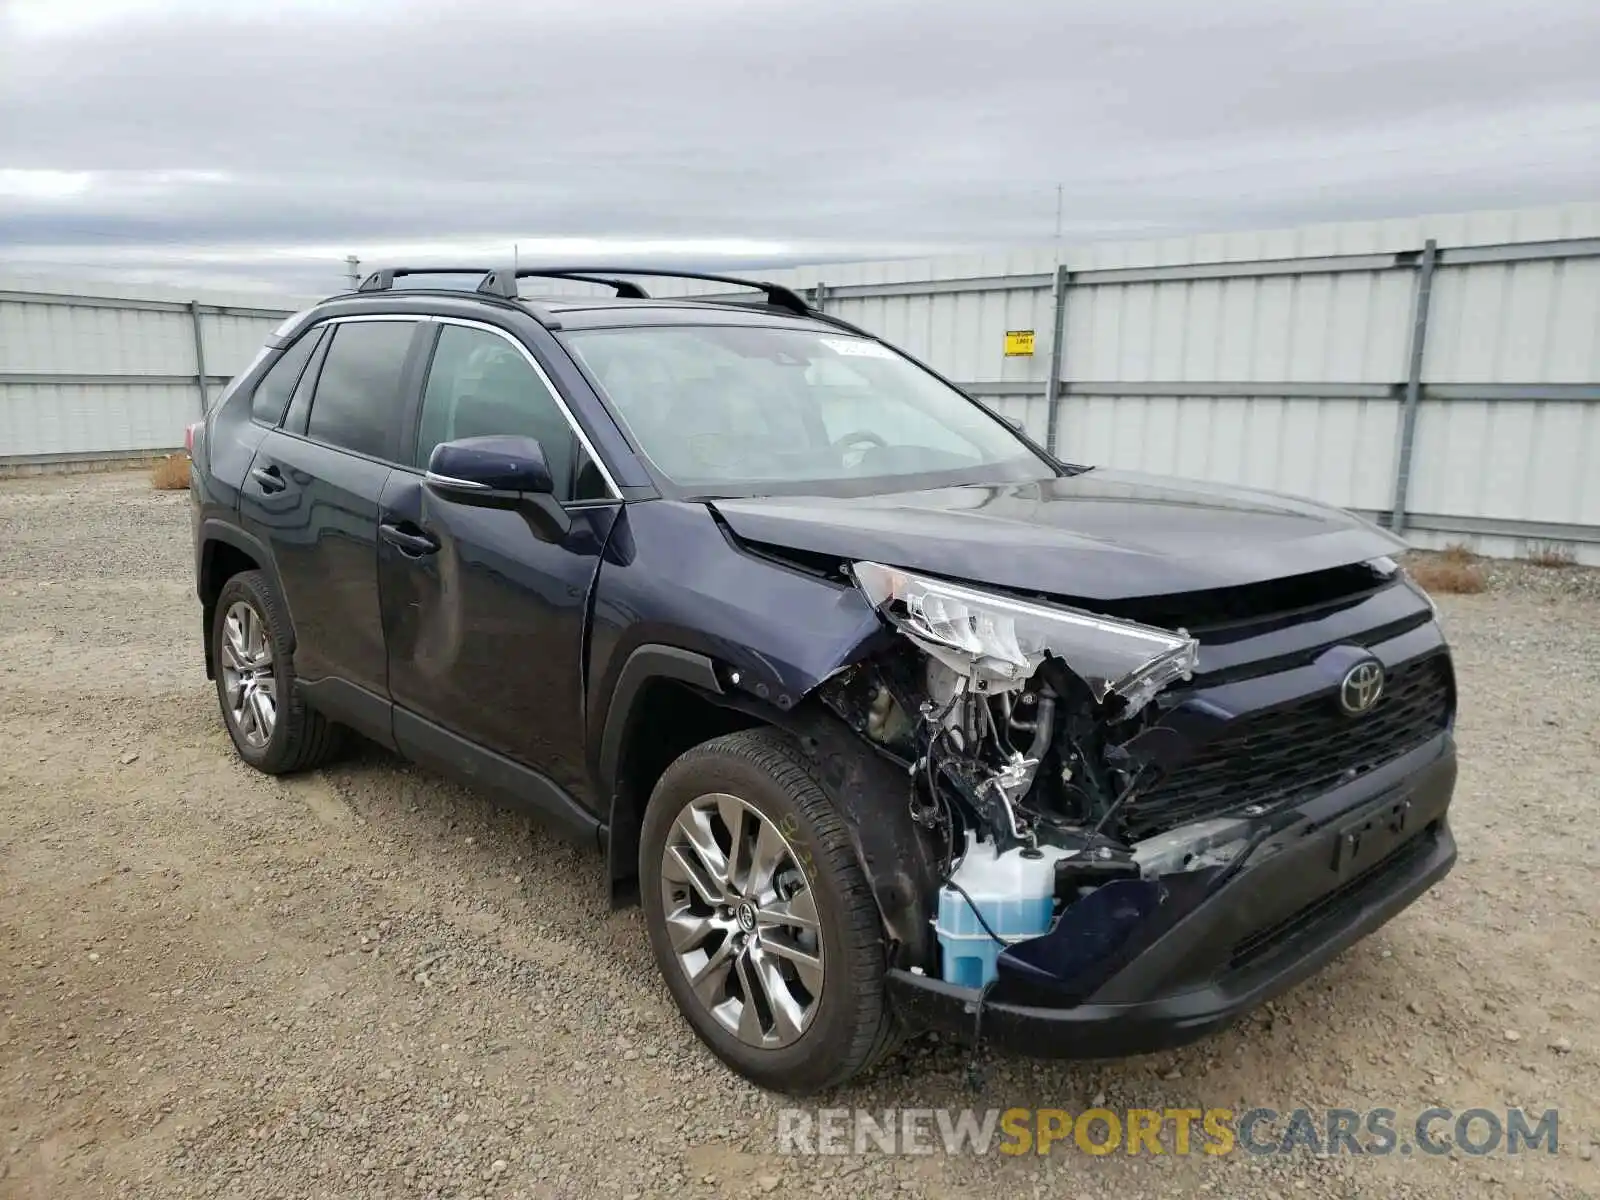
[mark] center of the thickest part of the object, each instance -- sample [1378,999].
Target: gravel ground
[367,981]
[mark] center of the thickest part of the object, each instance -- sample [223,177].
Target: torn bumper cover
[1154,963]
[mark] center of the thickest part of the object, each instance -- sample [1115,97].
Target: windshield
[737,410]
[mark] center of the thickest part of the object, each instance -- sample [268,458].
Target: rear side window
[357,402]
[277,385]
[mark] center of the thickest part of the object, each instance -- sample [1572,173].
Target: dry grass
[1444,574]
[171,474]
[1458,554]
[1551,554]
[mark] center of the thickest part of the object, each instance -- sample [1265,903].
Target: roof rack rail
[625,289]
[383,280]
[776,294]
[502,282]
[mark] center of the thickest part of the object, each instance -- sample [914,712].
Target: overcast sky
[242,142]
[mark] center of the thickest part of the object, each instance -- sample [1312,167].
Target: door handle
[270,478]
[411,544]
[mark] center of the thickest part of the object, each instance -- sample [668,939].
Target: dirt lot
[367,981]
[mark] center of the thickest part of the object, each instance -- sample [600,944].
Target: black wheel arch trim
[898,857]
[619,835]
[214,531]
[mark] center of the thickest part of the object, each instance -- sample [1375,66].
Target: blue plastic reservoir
[1014,891]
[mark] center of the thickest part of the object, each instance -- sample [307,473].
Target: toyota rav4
[889,719]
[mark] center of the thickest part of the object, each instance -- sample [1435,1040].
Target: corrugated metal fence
[96,373]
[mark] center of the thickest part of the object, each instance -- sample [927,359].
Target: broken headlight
[1000,641]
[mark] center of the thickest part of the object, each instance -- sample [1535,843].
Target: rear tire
[775,957]
[272,727]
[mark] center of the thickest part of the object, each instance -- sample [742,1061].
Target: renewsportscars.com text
[1179,1131]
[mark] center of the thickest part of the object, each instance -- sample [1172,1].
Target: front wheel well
[668,718]
[219,562]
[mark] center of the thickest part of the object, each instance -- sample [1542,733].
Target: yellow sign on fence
[1019,343]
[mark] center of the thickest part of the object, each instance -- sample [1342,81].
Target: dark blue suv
[889,719]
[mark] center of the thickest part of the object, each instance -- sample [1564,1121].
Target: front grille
[1283,754]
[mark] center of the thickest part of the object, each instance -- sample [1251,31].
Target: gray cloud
[177,138]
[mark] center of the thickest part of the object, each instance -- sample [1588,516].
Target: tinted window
[480,384]
[277,385]
[300,406]
[357,401]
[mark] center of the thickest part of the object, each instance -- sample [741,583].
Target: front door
[484,610]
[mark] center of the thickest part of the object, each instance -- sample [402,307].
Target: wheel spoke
[788,1017]
[736,817]
[258,716]
[799,911]
[235,635]
[710,980]
[750,981]
[769,852]
[266,710]
[682,865]
[255,635]
[693,826]
[245,715]
[688,931]
[807,966]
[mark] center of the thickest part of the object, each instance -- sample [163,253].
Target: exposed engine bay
[1019,724]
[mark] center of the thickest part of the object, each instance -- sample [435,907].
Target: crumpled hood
[1098,535]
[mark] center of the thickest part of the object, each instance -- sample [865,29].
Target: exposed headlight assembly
[1000,641]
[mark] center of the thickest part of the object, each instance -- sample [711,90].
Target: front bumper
[1351,860]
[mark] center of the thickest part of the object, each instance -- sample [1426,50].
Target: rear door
[484,609]
[312,494]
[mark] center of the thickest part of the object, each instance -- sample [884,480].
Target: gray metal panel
[1521,252]
[1532,531]
[58,378]
[70,300]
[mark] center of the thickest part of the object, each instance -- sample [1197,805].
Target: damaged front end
[1027,730]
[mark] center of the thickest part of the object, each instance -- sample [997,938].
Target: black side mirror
[500,471]
[467,468]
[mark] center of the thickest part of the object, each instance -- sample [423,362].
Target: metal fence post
[1058,335]
[1408,412]
[199,356]
[819,296]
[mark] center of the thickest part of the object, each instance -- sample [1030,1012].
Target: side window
[300,405]
[480,384]
[277,385]
[357,403]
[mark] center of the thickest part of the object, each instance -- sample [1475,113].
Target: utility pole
[352,271]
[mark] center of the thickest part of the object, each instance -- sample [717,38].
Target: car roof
[764,303]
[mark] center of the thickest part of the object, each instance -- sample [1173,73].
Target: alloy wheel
[742,920]
[248,682]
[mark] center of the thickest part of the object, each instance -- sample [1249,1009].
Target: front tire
[272,727]
[760,917]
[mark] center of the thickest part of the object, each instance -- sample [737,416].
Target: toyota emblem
[1362,685]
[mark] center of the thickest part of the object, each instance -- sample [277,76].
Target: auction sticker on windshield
[857,348]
